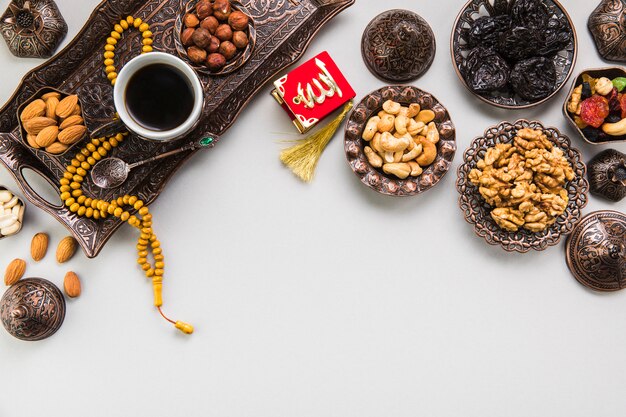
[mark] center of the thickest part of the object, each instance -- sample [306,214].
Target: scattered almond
[35,109]
[37,124]
[71,121]
[39,246]
[47,136]
[72,134]
[66,249]
[14,272]
[56,148]
[51,107]
[71,285]
[67,106]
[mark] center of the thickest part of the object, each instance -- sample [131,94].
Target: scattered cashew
[401,170]
[373,158]
[392,107]
[371,128]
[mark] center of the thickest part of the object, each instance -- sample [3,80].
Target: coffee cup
[157,97]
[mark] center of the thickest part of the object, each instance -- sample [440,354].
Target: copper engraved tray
[284,29]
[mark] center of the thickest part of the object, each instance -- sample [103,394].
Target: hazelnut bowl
[400,170]
[51,121]
[216,37]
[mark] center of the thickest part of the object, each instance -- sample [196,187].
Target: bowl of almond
[51,121]
[400,141]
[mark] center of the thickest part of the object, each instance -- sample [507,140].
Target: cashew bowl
[400,141]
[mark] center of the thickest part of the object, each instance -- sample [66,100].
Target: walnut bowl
[477,211]
[608,72]
[375,178]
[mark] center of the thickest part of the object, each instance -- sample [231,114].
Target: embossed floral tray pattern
[284,29]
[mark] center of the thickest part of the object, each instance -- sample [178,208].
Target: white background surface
[324,299]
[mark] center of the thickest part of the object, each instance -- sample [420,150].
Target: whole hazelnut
[204,9]
[201,37]
[238,20]
[224,32]
[185,37]
[191,20]
[214,46]
[221,9]
[215,62]
[240,39]
[196,55]
[228,49]
[210,24]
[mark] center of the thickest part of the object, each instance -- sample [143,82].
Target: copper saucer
[596,251]
[398,46]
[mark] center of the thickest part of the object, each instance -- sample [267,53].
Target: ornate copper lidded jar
[33,28]
[607,175]
[607,24]
[32,309]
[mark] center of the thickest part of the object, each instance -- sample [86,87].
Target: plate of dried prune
[514,54]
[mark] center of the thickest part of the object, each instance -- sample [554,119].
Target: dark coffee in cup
[159,97]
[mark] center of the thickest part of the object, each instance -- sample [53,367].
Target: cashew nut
[428,155]
[371,128]
[425,116]
[413,153]
[433,133]
[604,86]
[414,110]
[373,158]
[391,107]
[375,143]
[404,111]
[416,169]
[414,128]
[615,129]
[386,123]
[390,143]
[397,156]
[400,124]
[401,170]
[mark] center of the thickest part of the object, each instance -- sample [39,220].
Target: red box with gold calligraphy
[312,91]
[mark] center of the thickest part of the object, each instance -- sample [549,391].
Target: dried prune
[595,135]
[485,31]
[519,43]
[530,13]
[622,101]
[484,70]
[594,110]
[534,78]
[555,37]
[586,91]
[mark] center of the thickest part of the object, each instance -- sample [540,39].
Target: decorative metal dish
[375,178]
[606,24]
[398,46]
[236,62]
[564,61]
[608,72]
[596,251]
[284,30]
[477,211]
[20,215]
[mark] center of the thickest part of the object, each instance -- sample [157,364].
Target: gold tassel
[302,158]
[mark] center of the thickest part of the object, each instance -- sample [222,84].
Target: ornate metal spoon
[113,172]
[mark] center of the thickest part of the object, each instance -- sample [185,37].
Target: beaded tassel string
[116,35]
[147,245]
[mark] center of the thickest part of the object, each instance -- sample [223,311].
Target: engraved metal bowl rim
[20,201]
[412,78]
[577,80]
[570,262]
[479,221]
[236,62]
[456,65]
[37,95]
[397,89]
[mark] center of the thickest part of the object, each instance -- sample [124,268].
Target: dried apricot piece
[594,110]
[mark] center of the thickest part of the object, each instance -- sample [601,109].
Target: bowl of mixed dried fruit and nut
[596,105]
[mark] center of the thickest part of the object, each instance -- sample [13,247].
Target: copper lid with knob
[596,251]
[32,309]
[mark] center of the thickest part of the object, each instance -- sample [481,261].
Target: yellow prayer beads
[116,35]
[72,196]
